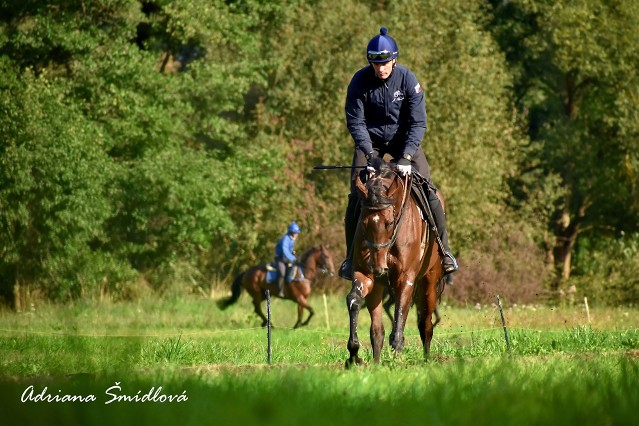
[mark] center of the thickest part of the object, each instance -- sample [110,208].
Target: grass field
[565,366]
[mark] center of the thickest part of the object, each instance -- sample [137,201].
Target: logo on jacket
[418,88]
[398,96]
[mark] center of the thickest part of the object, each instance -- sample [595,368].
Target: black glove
[375,161]
[403,162]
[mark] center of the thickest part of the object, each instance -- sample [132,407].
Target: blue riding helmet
[293,228]
[382,48]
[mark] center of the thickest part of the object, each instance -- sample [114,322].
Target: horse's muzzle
[380,272]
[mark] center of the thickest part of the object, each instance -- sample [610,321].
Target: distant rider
[285,255]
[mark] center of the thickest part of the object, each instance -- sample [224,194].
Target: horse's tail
[236,290]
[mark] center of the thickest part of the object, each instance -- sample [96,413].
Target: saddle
[421,198]
[295,273]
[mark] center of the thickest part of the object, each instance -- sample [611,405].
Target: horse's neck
[309,267]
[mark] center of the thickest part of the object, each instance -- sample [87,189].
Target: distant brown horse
[253,280]
[394,247]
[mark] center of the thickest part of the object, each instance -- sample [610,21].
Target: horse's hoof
[350,362]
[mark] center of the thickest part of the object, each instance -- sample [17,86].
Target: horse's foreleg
[257,306]
[301,305]
[388,303]
[374,305]
[354,301]
[311,312]
[403,300]
[300,312]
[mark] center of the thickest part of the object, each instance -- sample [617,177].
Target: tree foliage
[143,135]
[576,73]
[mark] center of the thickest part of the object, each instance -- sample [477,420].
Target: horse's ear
[361,188]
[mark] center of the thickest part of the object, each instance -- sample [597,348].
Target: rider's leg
[350,225]
[350,218]
[449,262]
[281,269]
[421,165]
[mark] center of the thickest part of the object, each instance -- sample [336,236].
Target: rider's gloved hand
[404,166]
[375,162]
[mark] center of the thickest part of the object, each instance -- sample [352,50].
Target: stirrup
[346,270]
[449,263]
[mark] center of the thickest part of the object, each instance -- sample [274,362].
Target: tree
[149,99]
[53,199]
[577,76]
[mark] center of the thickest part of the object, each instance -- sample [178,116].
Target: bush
[510,265]
[607,271]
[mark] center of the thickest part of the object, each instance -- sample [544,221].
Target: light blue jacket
[284,249]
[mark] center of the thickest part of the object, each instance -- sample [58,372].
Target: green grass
[562,369]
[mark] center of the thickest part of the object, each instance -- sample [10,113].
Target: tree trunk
[566,231]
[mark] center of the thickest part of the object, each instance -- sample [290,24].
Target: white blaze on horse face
[376,218]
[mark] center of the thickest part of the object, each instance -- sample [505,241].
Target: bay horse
[393,246]
[253,280]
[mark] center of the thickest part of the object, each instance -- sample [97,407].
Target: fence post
[328,323]
[503,321]
[268,327]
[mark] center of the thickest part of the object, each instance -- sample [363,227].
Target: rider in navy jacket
[386,114]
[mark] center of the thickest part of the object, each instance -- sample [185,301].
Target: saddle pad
[271,273]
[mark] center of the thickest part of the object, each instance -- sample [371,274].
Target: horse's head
[382,197]
[317,259]
[325,261]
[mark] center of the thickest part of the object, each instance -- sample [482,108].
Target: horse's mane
[304,257]
[377,190]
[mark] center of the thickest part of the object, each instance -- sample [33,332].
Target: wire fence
[207,333]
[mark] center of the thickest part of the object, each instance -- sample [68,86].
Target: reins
[321,263]
[398,222]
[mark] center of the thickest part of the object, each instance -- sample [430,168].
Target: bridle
[321,264]
[324,262]
[398,221]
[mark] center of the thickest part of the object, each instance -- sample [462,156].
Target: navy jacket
[387,114]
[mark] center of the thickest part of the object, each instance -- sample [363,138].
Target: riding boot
[350,225]
[449,262]
[280,286]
